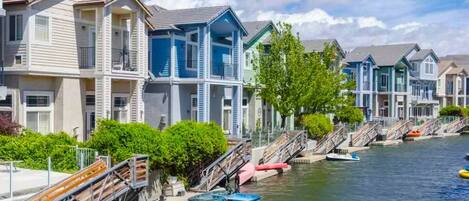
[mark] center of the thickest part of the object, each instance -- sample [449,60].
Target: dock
[427,137]
[386,143]
[311,158]
[260,175]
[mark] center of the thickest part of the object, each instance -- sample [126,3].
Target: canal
[424,170]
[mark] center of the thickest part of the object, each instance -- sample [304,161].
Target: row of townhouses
[67,63]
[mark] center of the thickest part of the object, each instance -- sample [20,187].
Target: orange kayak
[414,133]
[271,166]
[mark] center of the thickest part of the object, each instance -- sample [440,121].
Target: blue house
[359,68]
[195,67]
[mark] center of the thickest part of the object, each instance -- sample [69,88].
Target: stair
[225,166]
[399,129]
[285,148]
[366,134]
[455,126]
[429,127]
[331,141]
[99,183]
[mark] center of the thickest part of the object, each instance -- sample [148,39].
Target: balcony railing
[400,88]
[124,60]
[87,58]
[225,70]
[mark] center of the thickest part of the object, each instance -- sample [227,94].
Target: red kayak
[246,173]
[271,166]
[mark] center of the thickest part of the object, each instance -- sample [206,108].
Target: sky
[442,25]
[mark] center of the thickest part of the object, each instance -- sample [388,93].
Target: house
[451,84]
[196,67]
[390,79]
[360,67]
[257,113]
[461,60]
[423,78]
[71,62]
[318,45]
[3,89]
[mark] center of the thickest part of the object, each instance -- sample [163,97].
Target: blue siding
[181,70]
[220,56]
[161,56]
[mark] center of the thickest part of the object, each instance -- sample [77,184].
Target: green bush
[122,141]
[318,125]
[452,110]
[34,149]
[349,114]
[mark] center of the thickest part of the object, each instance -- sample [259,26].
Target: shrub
[192,144]
[350,115]
[318,125]
[33,149]
[452,110]
[8,127]
[122,141]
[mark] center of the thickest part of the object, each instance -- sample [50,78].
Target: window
[39,111]
[6,107]
[15,27]
[245,112]
[18,59]
[90,100]
[247,62]
[192,51]
[41,28]
[120,108]
[226,115]
[194,107]
[384,80]
[429,66]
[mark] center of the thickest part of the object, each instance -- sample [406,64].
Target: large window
[120,109]
[42,28]
[15,30]
[6,107]
[39,111]
[429,66]
[192,51]
[384,80]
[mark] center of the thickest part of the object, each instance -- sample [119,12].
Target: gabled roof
[256,29]
[387,55]
[317,45]
[451,68]
[422,54]
[460,60]
[358,57]
[170,19]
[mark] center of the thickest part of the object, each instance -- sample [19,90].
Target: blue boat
[225,196]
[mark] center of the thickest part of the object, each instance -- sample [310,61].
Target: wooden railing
[331,141]
[366,134]
[284,148]
[225,166]
[399,129]
[429,127]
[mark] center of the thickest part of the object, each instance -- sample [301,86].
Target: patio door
[91,54]
[227,115]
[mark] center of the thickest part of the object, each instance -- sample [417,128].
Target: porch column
[203,102]
[103,97]
[175,104]
[136,101]
[392,102]
[237,52]
[203,71]
[236,110]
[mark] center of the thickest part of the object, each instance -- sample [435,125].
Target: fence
[262,137]
[84,156]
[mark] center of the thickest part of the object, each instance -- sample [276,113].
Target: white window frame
[126,107]
[10,109]
[230,126]
[48,42]
[196,44]
[428,66]
[49,109]
[387,80]
[194,109]
[245,107]
[24,25]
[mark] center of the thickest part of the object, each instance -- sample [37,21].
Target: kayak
[271,166]
[243,197]
[464,174]
[246,173]
[414,133]
[343,157]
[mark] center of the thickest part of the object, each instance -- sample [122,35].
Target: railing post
[82,158]
[11,180]
[49,169]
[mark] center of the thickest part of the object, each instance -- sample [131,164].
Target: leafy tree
[282,74]
[452,110]
[318,125]
[349,114]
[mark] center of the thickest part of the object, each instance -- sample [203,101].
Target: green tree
[452,110]
[282,75]
[318,125]
[349,114]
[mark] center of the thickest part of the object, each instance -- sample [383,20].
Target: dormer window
[192,50]
[429,66]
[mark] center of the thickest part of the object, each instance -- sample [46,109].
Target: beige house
[451,84]
[71,62]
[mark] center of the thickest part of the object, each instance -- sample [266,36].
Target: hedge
[452,110]
[349,114]
[318,125]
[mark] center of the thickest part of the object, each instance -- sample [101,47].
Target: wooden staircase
[429,127]
[331,141]
[225,166]
[399,129]
[98,183]
[366,134]
[455,126]
[285,147]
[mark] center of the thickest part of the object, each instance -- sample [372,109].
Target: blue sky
[439,24]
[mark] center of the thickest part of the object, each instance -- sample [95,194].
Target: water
[425,170]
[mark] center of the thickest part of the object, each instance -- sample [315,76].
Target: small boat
[272,166]
[464,173]
[414,133]
[246,173]
[343,157]
[225,196]
[243,197]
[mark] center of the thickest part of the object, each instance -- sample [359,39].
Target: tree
[328,89]
[318,125]
[282,75]
[349,114]
[452,110]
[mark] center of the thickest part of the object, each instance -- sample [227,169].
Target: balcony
[224,70]
[124,60]
[366,85]
[449,90]
[87,58]
[400,88]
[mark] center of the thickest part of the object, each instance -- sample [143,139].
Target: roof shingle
[254,28]
[386,55]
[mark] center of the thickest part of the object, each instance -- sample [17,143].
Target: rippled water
[425,170]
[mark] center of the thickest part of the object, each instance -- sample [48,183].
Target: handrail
[398,130]
[331,141]
[295,145]
[363,133]
[429,127]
